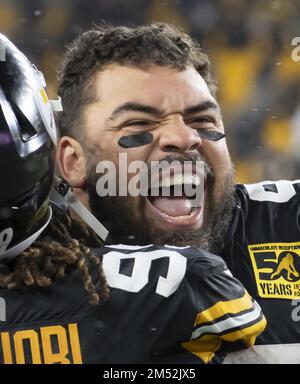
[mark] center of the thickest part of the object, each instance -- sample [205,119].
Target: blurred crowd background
[249,43]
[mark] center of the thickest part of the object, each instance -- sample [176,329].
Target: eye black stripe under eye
[208,134]
[136,140]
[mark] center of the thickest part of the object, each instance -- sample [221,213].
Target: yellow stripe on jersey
[212,326]
[247,335]
[223,307]
[204,348]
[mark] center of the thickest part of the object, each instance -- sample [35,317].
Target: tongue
[173,206]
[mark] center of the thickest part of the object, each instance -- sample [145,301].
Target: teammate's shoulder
[63,299]
[280,191]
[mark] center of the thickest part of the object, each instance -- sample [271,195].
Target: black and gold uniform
[167,305]
[263,252]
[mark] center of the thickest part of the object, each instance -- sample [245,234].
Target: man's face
[173,106]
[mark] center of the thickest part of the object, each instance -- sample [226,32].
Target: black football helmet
[27,142]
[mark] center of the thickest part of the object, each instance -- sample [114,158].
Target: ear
[71,161]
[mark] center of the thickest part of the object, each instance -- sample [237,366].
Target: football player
[148,92]
[61,303]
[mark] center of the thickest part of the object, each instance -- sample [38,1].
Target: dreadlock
[65,243]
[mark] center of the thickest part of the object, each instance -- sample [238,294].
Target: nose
[176,136]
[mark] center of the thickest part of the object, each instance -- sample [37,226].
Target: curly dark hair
[156,43]
[64,244]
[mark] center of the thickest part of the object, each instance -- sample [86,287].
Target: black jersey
[167,305]
[263,252]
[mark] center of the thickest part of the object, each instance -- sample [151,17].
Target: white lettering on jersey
[141,268]
[296,311]
[285,191]
[5,238]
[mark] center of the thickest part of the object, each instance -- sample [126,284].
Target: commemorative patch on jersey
[277,269]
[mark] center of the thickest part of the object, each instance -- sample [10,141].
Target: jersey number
[259,192]
[141,268]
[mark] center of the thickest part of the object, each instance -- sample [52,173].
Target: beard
[125,217]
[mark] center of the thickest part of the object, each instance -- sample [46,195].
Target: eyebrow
[206,105]
[136,107]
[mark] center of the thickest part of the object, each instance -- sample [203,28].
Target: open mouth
[177,200]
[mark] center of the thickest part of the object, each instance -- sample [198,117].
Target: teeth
[179,179]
